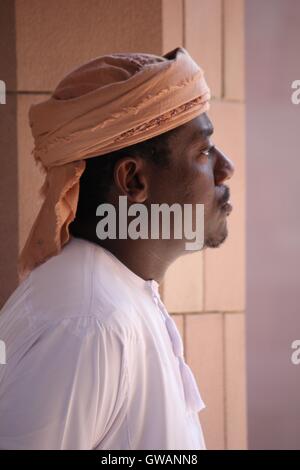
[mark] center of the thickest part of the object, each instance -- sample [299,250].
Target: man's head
[180,166]
[149,106]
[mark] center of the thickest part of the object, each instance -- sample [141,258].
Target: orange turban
[106,104]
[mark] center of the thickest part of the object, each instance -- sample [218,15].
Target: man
[94,360]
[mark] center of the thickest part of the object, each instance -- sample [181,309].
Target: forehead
[196,130]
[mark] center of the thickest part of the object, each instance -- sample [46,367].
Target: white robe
[94,361]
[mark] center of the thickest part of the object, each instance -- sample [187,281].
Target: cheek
[202,186]
[185,184]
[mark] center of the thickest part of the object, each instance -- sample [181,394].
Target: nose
[224,167]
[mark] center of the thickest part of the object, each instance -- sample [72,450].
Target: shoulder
[61,288]
[81,281]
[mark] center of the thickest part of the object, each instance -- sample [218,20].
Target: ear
[131,178]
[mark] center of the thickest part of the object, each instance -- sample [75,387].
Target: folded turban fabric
[106,104]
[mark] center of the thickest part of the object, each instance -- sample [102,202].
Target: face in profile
[196,175]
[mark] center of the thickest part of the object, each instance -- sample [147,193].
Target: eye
[207,151]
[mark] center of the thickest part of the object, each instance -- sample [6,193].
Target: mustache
[225,195]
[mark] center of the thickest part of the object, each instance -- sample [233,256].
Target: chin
[215,240]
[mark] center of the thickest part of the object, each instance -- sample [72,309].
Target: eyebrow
[206,132]
[198,136]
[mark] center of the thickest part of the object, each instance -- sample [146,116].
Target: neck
[148,259]
[145,260]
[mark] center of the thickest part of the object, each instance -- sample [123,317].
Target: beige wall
[203,291]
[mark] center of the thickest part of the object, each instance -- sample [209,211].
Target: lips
[227,207]
[223,192]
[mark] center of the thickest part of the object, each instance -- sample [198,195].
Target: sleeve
[67,388]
